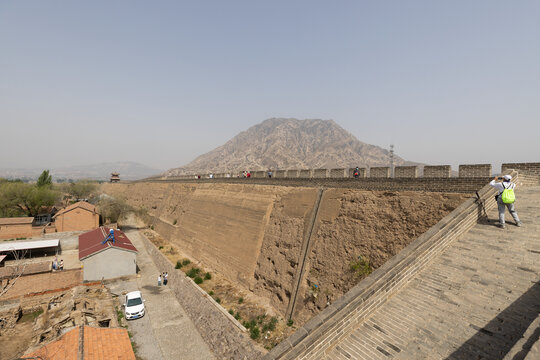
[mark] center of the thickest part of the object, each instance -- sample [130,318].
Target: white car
[134,305]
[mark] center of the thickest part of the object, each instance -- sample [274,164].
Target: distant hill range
[128,171]
[290,144]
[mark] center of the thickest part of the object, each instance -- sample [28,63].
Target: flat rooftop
[27,245]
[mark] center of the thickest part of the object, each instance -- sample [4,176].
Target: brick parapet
[338,173]
[293,173]
[429,171]
[522,168]
[280,174]
[224,338]
[437,171]
[305,174]
[340,318]
[406,171]
[379,172]
[476,170]
[320,173]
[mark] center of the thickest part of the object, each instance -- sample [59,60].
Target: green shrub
[211,293]
[198,280]
[174,222]
[207,276]
[361,267]
[178,265]
[272,323]
[290,322]
[237,316]
[260,318]
[218,300]
[240,300]
[160,247]
[193,272]
[255,332]
[246,324]
[185,262]
[231,311]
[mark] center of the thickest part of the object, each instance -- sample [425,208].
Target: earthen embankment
[253,234]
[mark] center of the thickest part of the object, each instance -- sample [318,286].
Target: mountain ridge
[288,143]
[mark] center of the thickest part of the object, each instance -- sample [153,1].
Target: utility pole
[391,160]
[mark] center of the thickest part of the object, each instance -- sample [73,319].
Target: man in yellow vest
[501,186]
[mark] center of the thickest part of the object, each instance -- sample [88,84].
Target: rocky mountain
[289,144]
[128,170]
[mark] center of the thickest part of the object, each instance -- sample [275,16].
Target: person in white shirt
[501,186]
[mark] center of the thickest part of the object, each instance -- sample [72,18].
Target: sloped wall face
[224,225]
[372,225]
[253,234]
[282,242]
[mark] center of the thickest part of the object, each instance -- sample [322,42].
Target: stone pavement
[473,302]
[165,332]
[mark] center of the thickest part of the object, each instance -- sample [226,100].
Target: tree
[17,198]
[81,189]
[112,209]
[45,179]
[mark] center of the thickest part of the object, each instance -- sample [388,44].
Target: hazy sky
[160,82]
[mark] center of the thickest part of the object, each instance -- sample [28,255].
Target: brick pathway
[474,302]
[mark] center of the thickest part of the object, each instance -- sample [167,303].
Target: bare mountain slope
[289,144]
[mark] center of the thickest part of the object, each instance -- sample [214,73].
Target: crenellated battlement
[378,172]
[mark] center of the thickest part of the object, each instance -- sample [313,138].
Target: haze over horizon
[160,84]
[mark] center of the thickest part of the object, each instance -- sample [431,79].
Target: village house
[16,227]
[106,259]
[77,217]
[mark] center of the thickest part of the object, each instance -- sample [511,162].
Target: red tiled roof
[90,243]
[98,343]
[66,347]
[16,220]
[82,204]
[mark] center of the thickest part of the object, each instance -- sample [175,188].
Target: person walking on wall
[501,186]
[165,278]
[159,280]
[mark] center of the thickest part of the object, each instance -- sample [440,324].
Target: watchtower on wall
[115,177]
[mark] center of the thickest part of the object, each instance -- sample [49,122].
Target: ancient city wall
[429,171]
[221,225]
[253,234]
